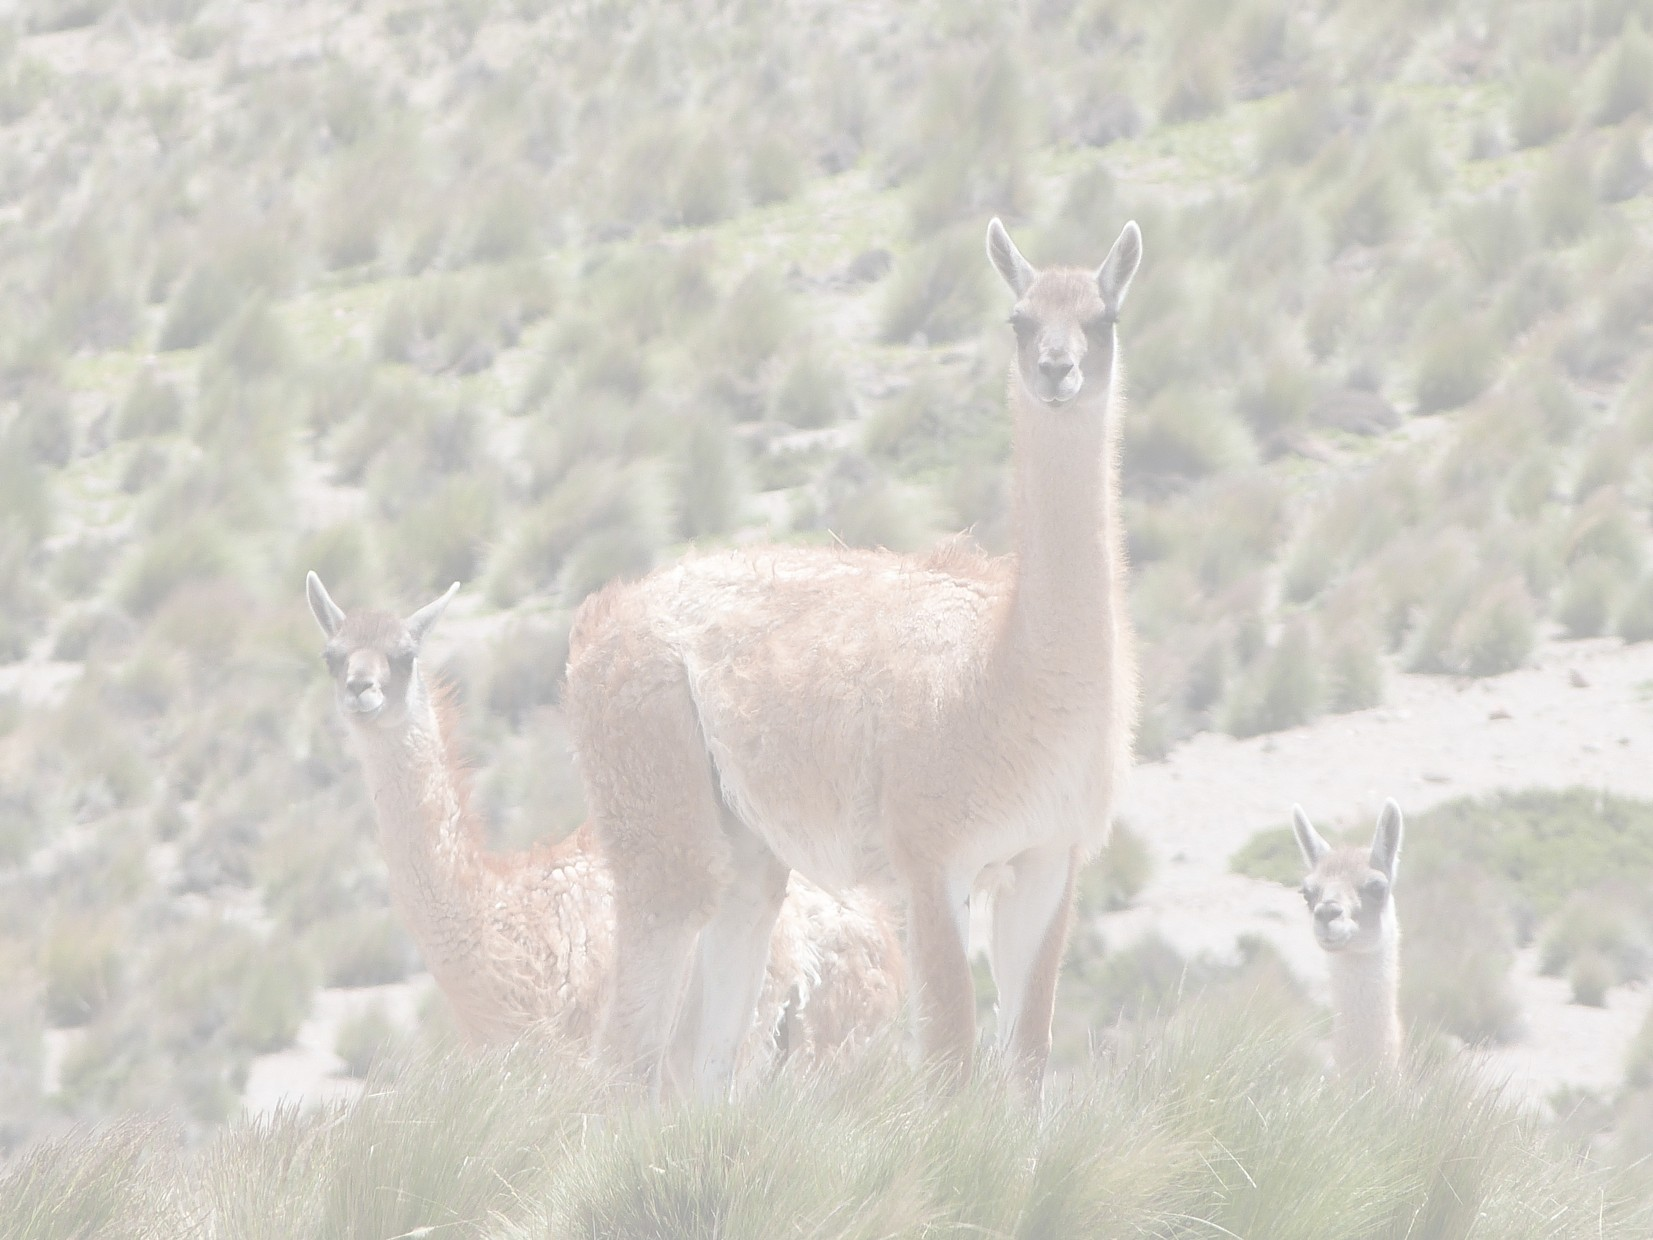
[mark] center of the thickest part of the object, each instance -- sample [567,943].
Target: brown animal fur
[525,939]
[862,717]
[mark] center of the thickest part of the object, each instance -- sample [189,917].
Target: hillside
[534,294]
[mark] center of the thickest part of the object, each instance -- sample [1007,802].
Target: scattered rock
[1576,679]
[1436,777]
[1498,712]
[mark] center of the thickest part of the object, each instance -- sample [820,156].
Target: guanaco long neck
[1366,1037]
[1065,492]
[425,826]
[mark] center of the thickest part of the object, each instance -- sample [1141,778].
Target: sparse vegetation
[407,311]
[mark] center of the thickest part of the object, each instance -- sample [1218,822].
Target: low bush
[367,1040]
[527,668]
[1543,106]
[812,393]
[1626,85]
[1456,364]
[153,406]
[1118,874]
[1635,622]
[81,961]
[1281,690]
[1459,947]
[939,290]
[1589,597]
[363,948]
[1609,923]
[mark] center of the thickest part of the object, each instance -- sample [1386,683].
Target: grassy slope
[533,295]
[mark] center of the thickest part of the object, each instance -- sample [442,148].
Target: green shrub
[1587,600]
[1623,172]
[1564,197]
[364,948]
[706,189]
[1117,876]
[1459,949]
[25,498]
[1590,976]
[81,960]
[1545,844]
[253,343]
[152,407]
[1298,128]
[1199,86]
[46,16]
[1638,1061]
[1185,432]
[939,290]
[1370,209]
[1604,528]
[1627,81]
[1493,233]
[194,552]
[812,393]
[505,222]
[527,668]
[1354,670]
[366,1040]
[755,321]
[1277,399]
[1283,689]
[1636,618]
[775,171]
[1542,108]
[1609,923]
[274,999]
[445,538]
[1456,365]
[605,555]
[708,483]
[1484,629]
[206,299]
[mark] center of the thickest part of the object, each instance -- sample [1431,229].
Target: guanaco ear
[1309,842]
[421,621]
[1018,273]
[1386,840]
[1113,277]
[322,606]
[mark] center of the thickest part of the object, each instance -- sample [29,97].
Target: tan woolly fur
[923,725]
[526,939]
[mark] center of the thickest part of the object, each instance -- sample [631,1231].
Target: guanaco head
[1350,890]
[371,654]
[1064,317]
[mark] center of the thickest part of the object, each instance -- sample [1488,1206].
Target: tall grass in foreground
[1213,1122]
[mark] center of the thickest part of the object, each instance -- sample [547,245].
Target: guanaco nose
[1056,369]
[358,685]
[1328,912]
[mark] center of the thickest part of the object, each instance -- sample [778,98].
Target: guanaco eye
[1020,323]
[1310,895]
[333,659]
[1375,888]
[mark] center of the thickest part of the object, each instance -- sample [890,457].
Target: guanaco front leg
[1030,931]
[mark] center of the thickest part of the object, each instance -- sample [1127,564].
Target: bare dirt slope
[1581,713]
